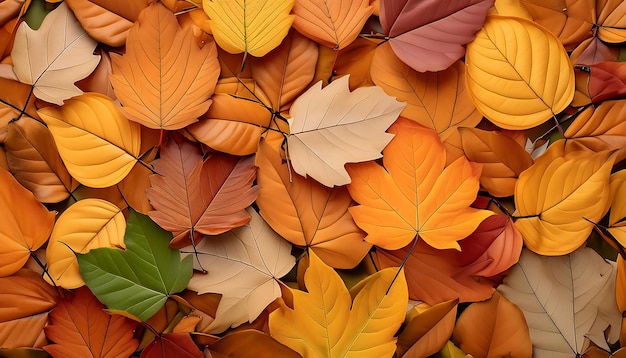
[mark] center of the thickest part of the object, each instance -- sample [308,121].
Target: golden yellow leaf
[251,26]
[415,194]
[325,322]
[518,73]
[617,216]
[86,225]
[98,145]
[334,24]
[559,198]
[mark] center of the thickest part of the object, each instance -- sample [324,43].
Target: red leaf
[179,345]
[429,35]
[607,80]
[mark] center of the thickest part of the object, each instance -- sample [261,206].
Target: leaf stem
[406,258]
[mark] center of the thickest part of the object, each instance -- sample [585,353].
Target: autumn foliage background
[317,178]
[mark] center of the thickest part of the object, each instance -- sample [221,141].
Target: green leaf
[137,280]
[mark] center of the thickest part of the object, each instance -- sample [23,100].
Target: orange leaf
[502,158]
[306,213]
[100,23]
[251,343]
[495,328]
[334,24]
[437,100]
[571,22]
[81,328]
[24,332]
[396,204]
[356,60]
[14,99]
[19,210]
[25,294]
[177,77]
[35,161]
[427,330]
[191,197]
[436,276]
[172,345]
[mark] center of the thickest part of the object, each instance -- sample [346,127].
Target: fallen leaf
[15,102]
[451,351]
[251,26]
[593,51]
[243,266]
[568,300]
[172,345]
[330,23]
[192,197]
[396,205]
[493,328]
[23,332]
[100,23]
[137,280]
[166,95]
[251,344]
[555,209]
[327,322]
[68,56]
[86,225]
[356,60]
[435,276]
[617,224]
[98,145]
[25,294]
[607,80]
[81,328]
[341,127]
[35,162]
[308,214]
[536,77]
[430,35]
[19,210]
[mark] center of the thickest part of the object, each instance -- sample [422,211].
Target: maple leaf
[332,126]
[243,266]
[195,197]
[181,75]
[68,56]
[326,322]
[81,328]
[414,194]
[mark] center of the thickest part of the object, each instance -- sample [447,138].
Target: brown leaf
[592,51]
[172,345]
[34,160]
[159,50]
[251,344]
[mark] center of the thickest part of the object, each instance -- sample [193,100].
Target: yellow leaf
[252,26]
[324,322]
[451,351]
[518,73]
[559,197]
[86,225]
[415,194]
[617,216]
[98,145]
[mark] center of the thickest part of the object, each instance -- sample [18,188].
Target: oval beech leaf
[176,76]
[568,301]
[332,126]
[244,266]
[137,280]
[334,24]
[437,100]
[503,159]
[34,159]
[68,56]
[557,209]
[395,201]
[81,328]
[26,224]
[507,60]
[494,328]
[430,35]
[100,23]
[427,330]
[98,145]
[308,214]
[326,322]
[251,26]
[86,225]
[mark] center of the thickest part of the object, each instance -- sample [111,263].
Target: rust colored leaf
[251,344]
[172,345]
[25,294]
[193,198]
[181,75]
[437,100]
[607,80]
[81,328]
[436,276]
[24,332]
[593,51]
[14,100]
[35,162]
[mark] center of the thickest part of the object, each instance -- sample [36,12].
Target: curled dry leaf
[536,77]
[162,52]
[334,24]
[98,145]
[69,56]
[332,126]
[307,213]
[430,35]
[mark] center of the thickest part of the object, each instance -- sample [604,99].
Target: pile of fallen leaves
[317,178]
